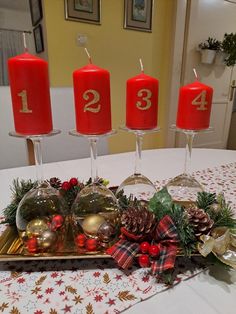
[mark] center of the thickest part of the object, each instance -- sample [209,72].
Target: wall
[117,50]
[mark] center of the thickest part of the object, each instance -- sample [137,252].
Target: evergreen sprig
[19,189]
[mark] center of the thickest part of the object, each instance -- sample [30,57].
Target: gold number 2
[23,95]
[95,100]
[146,98]
[200,101]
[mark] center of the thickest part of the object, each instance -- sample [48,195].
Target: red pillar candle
[141,102]
[29,85]
[194,107]
[92,100]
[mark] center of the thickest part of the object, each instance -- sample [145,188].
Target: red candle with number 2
[92,100]
[194,108]
[141,102]
[29,84]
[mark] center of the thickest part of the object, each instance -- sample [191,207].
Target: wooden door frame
[178,64]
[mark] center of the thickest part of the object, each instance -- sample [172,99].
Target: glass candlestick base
[184,187]
[95,211]
[137,186]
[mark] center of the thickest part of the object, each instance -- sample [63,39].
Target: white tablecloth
[214,290]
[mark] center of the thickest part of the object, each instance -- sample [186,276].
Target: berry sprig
[149,252]
[69,189]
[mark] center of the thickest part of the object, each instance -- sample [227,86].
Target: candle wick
[24,42]
[89,57]
[141,65]
[195,73]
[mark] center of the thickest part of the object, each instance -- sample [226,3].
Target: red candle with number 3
[29,84]
[141,102]
[194,108]
[92,100]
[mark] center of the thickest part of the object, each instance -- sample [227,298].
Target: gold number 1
[23,96]
[200,101]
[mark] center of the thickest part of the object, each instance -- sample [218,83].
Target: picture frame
[36,11]
[138,15]
[86,11]
[38,38]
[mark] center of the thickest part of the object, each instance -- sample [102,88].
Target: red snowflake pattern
[111,302]
[96,274]
[67,309]
[21,280]
[49,290]
[98,298]
[54,275]
[38,312]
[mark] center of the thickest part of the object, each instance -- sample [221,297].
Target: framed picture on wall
[36,11]
[87,11]
[38,39]
[138,15]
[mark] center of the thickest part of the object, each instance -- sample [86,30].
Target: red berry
[73,181]
[66,186]
[57,222]
[154,250]
[91,244]
[144,260]
[32,245]
[80,240]
[144,247]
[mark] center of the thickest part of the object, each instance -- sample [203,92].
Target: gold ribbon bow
[222,243]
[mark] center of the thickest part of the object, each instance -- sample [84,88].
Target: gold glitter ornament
[47,239]
[36,227]
[91,224]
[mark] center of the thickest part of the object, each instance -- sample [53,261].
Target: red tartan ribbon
[165,234]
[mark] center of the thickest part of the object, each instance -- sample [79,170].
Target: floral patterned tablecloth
[94,286]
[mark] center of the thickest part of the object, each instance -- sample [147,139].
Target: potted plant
[228,47]
[208,50]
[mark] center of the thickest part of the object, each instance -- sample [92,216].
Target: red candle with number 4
[141,102]
[194,108]
[92,100]
[29,84]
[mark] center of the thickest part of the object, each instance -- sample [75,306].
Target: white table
[205,293]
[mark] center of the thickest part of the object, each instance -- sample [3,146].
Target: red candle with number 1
[29,84]
[92,100]
[194,108]
[141,102]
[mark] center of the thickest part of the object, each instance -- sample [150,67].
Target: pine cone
[55,183]
[200,220]
[138,221]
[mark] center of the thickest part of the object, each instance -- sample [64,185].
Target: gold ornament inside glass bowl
[41,220]
[95,216]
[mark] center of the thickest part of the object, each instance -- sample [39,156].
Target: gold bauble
[92,223]
[47,239]
[36,227]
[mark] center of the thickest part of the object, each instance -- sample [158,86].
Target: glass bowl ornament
[41,220]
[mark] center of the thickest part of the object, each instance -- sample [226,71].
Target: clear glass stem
[138,152]
[38,158]
[93,156]
[188,152]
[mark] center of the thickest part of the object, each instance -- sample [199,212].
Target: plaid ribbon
[165,233]
[124,253]
[167,236]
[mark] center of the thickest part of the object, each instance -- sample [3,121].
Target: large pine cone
[200,220]
[138,221]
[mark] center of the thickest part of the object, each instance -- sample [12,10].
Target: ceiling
[18,5]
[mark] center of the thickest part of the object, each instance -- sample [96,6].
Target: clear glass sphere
[95,216]
[41,220]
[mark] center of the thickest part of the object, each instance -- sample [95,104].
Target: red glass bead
[32,245]
[91,244]
[66,186]
[154,250]
[73,181]
[144,260]
[80,240]
[144,247]
[57,222]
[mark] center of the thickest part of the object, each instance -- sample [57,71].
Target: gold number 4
[146,98]
[23,95]
[95,100]
[200,101]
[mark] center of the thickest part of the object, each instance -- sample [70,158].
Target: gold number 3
[23,95]
[95,100]
[200,101]
[146,98]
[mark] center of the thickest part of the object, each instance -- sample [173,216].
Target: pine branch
[205,200]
